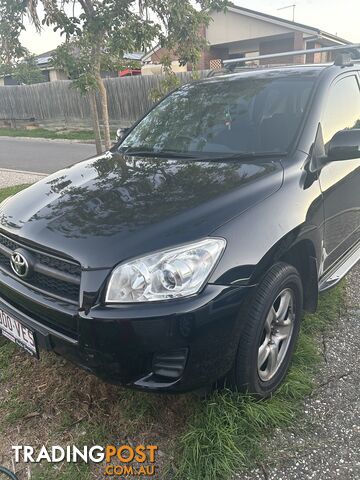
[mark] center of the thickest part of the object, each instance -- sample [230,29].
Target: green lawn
[7,192]
[50,134]
[200,439]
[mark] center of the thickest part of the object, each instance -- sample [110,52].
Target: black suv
[187,254]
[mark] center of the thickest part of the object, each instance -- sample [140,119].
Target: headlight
[172,273]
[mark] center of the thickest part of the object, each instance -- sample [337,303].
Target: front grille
[53,275]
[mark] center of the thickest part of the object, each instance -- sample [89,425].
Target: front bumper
[120,343]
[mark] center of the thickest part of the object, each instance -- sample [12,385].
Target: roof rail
[353,51]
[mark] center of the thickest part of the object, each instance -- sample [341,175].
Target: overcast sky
[340,17]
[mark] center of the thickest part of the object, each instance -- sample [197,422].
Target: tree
[77,63]
[102,31]
[75,57]
[11,26]
[27,71]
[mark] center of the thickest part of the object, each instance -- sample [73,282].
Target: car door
[340,180]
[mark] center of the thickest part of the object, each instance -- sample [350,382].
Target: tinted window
[247,115]
[342,109]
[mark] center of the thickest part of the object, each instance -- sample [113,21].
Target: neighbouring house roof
[134,56]
[148,54]
[45,58]
[288,23]
[271,19]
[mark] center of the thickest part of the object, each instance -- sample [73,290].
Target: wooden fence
[59,105]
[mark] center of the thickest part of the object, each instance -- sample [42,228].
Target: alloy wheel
[277,334]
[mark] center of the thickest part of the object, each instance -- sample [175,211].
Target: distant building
[51,74]
[240,32]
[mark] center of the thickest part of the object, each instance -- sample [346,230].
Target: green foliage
[170,82]
[100,35]
[104,31]
[27,72]
[76,58]
[77,66]
[11,26]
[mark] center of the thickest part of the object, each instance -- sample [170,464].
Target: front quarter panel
[259,236]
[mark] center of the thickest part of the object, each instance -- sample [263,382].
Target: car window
[342,109]
[238,115]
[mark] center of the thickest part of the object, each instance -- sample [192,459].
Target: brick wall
[156,56]
[212,53]
[278,45]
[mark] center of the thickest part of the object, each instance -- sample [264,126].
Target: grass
[9,191]
[15,409]
[45,133]
[207,439]
[61,471]
[84,135]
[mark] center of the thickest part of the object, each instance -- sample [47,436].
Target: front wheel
[270,332]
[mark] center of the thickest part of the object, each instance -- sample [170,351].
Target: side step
[336,274]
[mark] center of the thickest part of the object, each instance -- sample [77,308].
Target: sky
[340,17]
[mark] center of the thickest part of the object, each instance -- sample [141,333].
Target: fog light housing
[171,364]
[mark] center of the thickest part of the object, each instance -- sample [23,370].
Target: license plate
[18,333]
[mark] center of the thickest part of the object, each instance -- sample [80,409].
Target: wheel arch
[302,252]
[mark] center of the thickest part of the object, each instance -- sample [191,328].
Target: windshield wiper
[243,155]
[199,156]
[161,154]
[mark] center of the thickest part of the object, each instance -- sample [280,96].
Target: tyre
[269,336]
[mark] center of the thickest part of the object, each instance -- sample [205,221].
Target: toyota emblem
[20,264]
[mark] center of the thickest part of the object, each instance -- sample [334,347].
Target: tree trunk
[95,120]
[104,109]
[96,53]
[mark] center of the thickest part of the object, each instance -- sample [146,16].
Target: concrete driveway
[41,156]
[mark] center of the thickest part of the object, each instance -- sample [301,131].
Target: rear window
[237,115]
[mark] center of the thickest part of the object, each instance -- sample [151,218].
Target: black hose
[8,473]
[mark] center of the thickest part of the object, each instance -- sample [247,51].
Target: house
[44,62]
[240,32]
[51,74]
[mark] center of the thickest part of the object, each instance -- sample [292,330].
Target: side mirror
[120,133]
[345,145]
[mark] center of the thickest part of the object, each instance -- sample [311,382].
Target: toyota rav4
[186,255]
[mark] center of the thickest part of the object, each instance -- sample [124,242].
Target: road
[42,156]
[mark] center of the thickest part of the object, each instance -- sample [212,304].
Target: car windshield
[225,116]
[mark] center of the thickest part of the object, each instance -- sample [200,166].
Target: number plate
[18,333]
